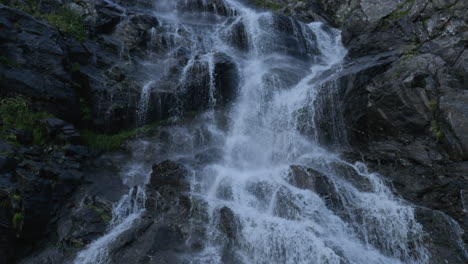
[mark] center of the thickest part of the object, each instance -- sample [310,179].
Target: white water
[279,88]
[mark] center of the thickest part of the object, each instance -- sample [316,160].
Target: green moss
[402,10]
[115,141]
[17,220]
[75,67]
[77,243]
[16,113]
[435,128]
[106,218]
[268,5]
[433,105]
[64,19]
[68,21]
[16,197]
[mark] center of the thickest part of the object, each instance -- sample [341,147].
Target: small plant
[77,243]
[112,142]
[433,105]
[435,128]
[16,113]
[106,218]
[17,220]
[16,197]
[75,67]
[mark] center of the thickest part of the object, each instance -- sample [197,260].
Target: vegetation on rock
[17,113]
[17,220]
[109,142]
[65,19]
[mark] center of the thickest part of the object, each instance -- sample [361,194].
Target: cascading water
[293,201]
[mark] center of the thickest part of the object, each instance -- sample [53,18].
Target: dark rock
[288,36]
[61,131]
[237,36]
[205,87]
[214,7]
[134,30]
[76,151]
[454,110]
[23,136]
[36,48]
[170,174]
[7,163]
[444,235]
[229,224]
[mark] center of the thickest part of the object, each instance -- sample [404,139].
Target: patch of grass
[17,220]
[435,128]
[77,243]
[268,5]
[106,218]
[64,19]
[433,105]
[16,113]
[75,67]
[111,142]
[68,21]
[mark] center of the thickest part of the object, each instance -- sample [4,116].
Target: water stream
[322,209]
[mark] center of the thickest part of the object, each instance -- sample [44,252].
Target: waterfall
[292,199]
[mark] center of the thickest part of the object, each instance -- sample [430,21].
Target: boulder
[204,87]
[229,224]
[61,131]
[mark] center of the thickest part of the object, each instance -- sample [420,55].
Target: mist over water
[293,199]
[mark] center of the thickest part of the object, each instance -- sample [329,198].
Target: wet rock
[7,163]
[61,131]
[445,239]
[170,174]
[215,7]
[289,36]
[228,223]
[134,31]
[205,87]
[209,156]
[237,35]
[86,223]
[310,179]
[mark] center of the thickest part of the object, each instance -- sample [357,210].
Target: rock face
[403,93]
[101,81]
[34,187]
[28,49]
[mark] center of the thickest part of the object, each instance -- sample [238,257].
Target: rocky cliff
[402,95]
[404,98]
